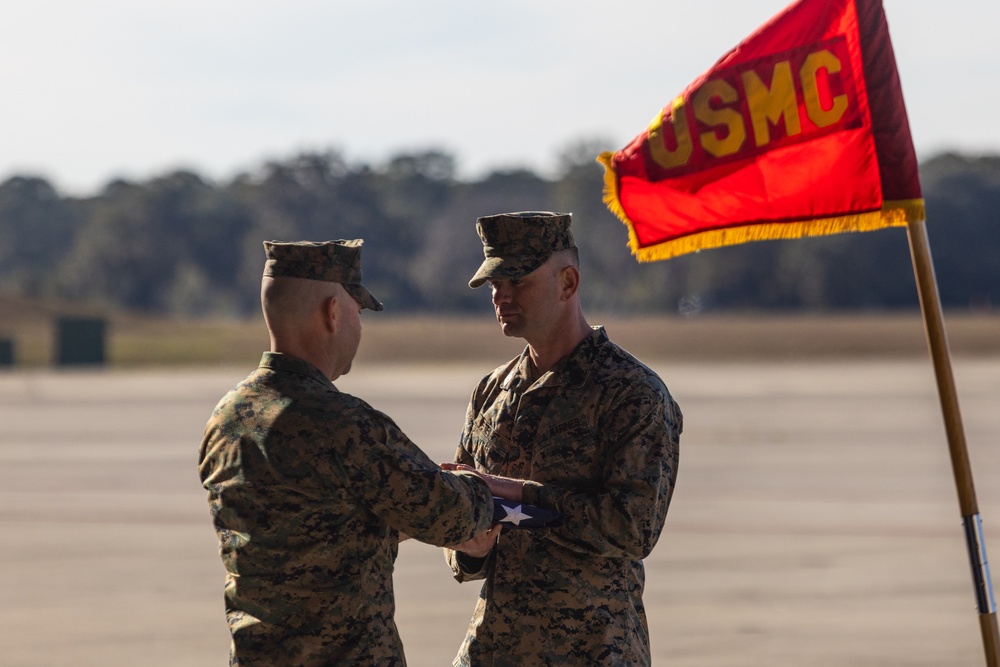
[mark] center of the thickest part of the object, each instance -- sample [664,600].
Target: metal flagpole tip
[520,515]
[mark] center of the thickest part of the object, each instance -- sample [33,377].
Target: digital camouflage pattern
[308,489]
[329,261]
[515,244]
[598,435]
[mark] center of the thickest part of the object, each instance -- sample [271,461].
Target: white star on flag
[514,516]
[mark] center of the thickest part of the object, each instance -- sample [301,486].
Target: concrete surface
[815,520]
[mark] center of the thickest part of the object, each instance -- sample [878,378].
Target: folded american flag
[519,515]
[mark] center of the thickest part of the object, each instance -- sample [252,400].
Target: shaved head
[562,258]
[290,303]
[315,320]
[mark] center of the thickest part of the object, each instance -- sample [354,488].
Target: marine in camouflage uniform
[597,435]
[309,489]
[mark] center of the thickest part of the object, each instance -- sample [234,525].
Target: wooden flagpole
[930,304]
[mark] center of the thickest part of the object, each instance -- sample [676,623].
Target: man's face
[524,306]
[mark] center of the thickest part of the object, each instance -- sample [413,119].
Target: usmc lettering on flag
[744,111]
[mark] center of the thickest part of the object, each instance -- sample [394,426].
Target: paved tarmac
[815,520]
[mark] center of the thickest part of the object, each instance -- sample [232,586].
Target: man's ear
[569,282]
[330,322]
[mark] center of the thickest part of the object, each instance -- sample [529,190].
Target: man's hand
[481,545]
[503,487]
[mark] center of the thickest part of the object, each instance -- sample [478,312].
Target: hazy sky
[98,89]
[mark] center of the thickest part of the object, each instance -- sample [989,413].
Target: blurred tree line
[178,244]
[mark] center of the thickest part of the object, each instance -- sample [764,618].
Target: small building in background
[6,352]
[80,341]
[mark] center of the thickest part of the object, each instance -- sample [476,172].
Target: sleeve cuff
[470,564]
[533,493]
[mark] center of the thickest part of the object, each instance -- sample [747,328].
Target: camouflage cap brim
[363,296]
[503,268]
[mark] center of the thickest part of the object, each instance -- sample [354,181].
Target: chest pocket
[568,454]
[492,451]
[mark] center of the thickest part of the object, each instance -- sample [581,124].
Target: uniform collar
[283,363]
[570,371]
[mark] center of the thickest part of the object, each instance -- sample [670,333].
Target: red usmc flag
[798,131]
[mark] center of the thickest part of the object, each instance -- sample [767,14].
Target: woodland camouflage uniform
[598,436]
[309,488]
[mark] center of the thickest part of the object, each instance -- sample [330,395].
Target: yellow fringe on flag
[893,214]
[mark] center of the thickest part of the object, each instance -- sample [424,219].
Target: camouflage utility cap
[330,261]
[515,244]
